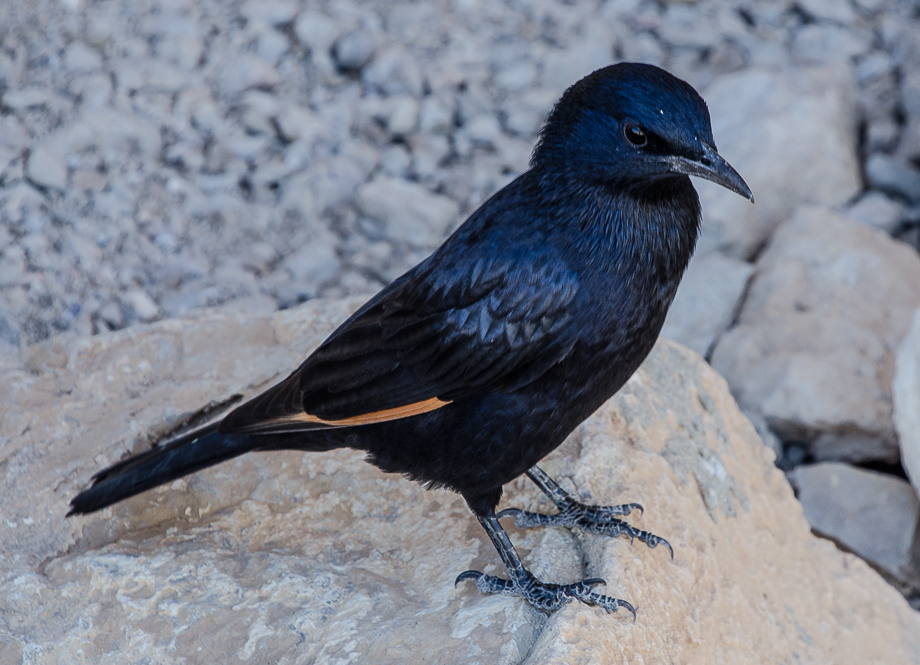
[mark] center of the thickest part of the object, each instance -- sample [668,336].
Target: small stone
[95,91]
[706,301]
[316,31]
[525,115]
[25,98]
[141,304]
[112,315]
[428,152]
[394,72]
[12,265]
[403,116]
[314,263]
[881,134]
[483,130]
[47,167]
[271,45]
[435,117]
[876,209]
[80,58]
[830,10]
[821,44]
[395,161]
[890,176]
[298,123]
[871,514]
[517,76]
[355,49]
[873,66]
[409,212]
[245,71]
[272,12]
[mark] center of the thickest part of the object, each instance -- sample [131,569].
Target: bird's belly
[475,446]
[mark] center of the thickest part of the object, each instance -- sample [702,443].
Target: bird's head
[633,124]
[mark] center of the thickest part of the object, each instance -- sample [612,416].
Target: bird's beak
[712,167]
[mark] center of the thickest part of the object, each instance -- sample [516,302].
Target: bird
[467,370]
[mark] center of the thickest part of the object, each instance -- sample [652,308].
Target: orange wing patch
[375,417]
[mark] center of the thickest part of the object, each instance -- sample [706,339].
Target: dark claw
[629,607]
[658,540]
[544,596]
[602,520]
[467,575]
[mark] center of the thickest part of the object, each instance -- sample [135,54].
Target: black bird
[467,370]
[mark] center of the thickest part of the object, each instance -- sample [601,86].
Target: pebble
[878,210]
[408,212]
[47,167]
[888,175]
[355,49]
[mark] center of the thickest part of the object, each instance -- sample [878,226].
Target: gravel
[160,156]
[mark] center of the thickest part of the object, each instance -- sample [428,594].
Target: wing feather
[432,337]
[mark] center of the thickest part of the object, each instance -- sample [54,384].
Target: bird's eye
[635,135]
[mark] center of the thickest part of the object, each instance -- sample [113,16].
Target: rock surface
[872,514]
[706,301]
[791,134]
[906,394]
[293,558]
[815,345]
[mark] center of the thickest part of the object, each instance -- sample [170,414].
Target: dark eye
[635,135]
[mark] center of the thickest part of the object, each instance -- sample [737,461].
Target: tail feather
[189,453]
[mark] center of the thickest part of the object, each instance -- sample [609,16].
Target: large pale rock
[293,558]
[792,136]
[871,514]
[817,335]
[906,394]
[706,301]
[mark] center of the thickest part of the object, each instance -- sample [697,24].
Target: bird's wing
[431,337]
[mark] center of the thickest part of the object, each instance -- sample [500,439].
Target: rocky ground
[158,157]
[306,559]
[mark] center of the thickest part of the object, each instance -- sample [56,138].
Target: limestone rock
[889,175]
[791,136]
[706,301]
[47,166]
[871,514]
[292,558]
[906,394]
[817,335]
[876,209]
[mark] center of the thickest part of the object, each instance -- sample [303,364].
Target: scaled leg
[542,595]
[593,519]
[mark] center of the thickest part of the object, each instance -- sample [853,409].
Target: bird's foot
[544,596]
[603,520]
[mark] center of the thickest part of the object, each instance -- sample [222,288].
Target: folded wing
[430,338]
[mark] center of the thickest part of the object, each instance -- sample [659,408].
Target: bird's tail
[189,453]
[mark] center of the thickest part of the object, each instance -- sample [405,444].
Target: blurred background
[160,157]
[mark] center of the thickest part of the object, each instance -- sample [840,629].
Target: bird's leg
[544,596]
[593,519]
